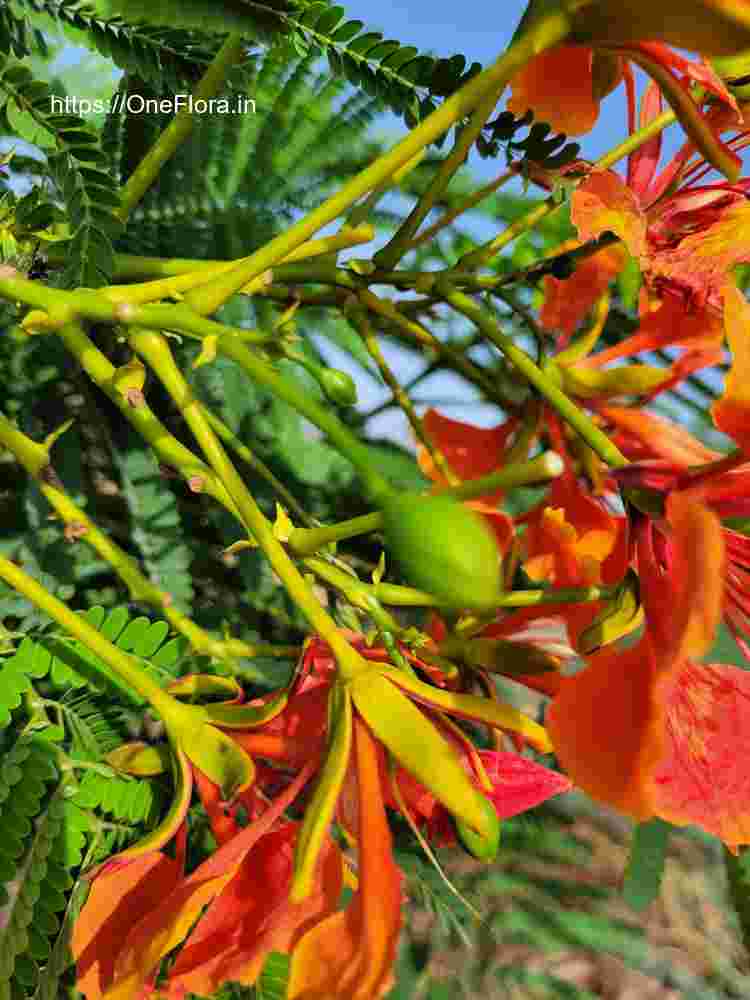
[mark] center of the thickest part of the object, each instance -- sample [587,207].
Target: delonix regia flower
[564,85]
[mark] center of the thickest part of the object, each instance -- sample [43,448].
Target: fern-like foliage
[58,801]
[167,57]
[411,83]
[155,522]
[250,173]
[31,855]
[78,166]
[14,38]
[407,81]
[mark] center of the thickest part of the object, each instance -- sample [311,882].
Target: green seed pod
[481,848]
[444,548]
[338,386]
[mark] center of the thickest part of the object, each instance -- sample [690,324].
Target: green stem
[155,349]
[395,249]
[544,34]
[180,127]
[344,440]
[121,663]
[304,541]
[552,595]
[359,317]
[465,205]
[361,595]
[169,450]
[482,255]
[259,466]
[35,459]
[572,414]
[415,332]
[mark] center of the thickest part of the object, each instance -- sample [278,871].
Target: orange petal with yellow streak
[702,262]
[253,916]
[165,926]
[604,203]
[350,955]
[731,413]
[118,899]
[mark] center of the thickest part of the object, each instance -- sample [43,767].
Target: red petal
[472,452]
[703,777]
[567,303]
[519,783]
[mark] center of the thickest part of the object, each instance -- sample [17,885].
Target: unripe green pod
[338,386]
[444,548]
[482,848]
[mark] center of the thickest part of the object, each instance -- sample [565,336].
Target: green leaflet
[166,56]
[36,852]
[273,979]
[263,20]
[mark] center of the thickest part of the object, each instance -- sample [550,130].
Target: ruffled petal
[604,203]
[703,777]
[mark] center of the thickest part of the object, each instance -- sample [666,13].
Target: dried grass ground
[686,944]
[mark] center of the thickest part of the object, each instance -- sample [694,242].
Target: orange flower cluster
[246,899]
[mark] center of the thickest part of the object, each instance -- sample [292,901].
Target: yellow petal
[320,809]
[419,747]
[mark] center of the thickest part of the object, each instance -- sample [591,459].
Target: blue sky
[479,30]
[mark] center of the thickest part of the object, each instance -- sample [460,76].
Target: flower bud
[338,386]
[444,548]
[482,848]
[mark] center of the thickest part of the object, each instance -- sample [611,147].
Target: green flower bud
[482,848]
[338,386]
[444,548]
